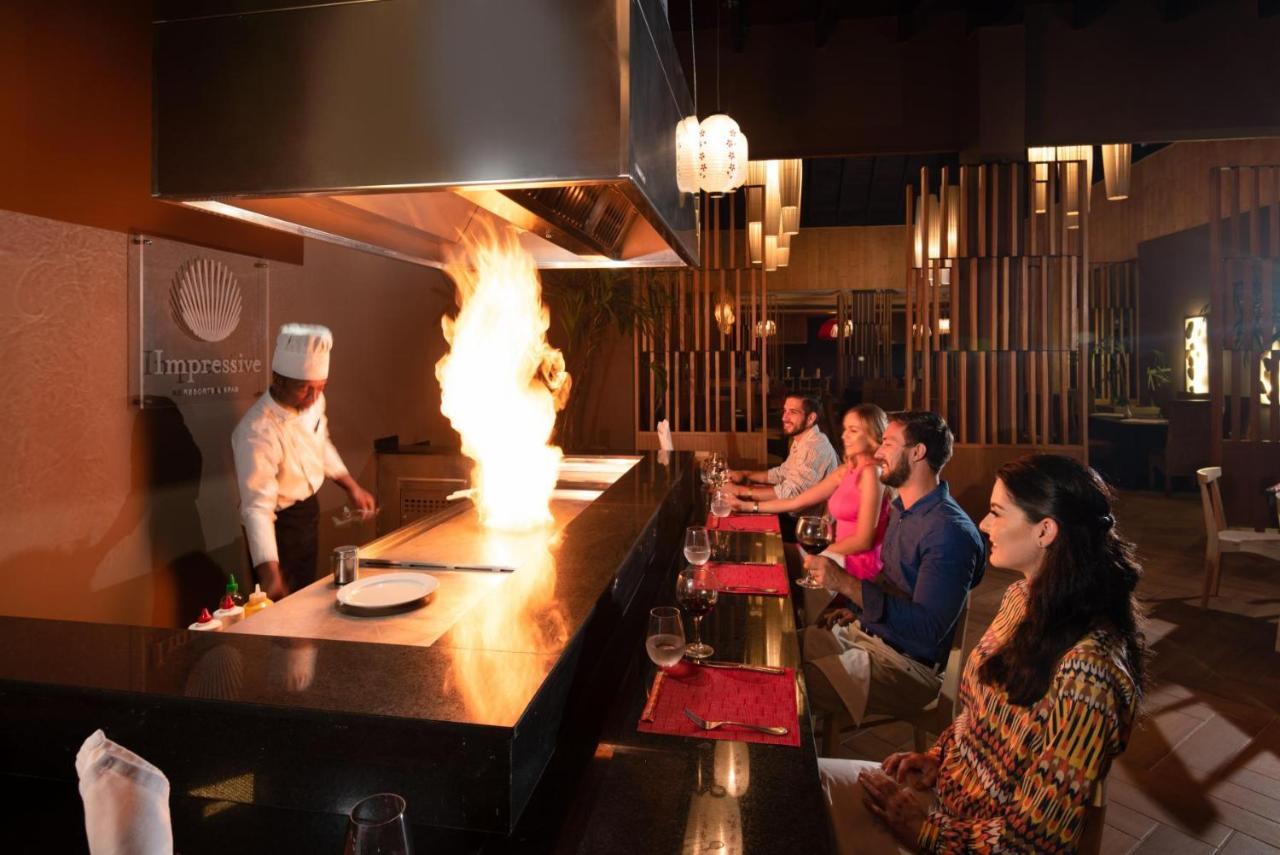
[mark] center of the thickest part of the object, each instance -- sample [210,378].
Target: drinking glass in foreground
[665,641]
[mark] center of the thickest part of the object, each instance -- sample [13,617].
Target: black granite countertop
[450,681]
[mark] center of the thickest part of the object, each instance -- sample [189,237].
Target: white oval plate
[387,590]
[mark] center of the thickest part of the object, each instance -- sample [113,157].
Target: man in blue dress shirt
[886,662]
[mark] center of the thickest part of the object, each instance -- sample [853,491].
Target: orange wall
[76,111]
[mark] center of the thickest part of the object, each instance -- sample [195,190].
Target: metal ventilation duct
[399,126]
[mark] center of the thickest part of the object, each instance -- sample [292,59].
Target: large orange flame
[501,383]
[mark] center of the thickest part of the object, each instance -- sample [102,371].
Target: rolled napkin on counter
[664,436]
[126,800]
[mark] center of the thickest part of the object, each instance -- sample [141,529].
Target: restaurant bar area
[640,426]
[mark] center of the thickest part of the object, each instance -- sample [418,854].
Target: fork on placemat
[712,725]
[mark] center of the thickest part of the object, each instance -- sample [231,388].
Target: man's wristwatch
[755,508]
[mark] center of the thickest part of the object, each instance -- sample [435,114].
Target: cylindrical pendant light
[755,222]
[1040,157]
[1072,156]
[687,154]
[772,199]
[756,172]
[1116,162]
[722,154]
[784,256]
[953,221]
[770,252]
[790,175]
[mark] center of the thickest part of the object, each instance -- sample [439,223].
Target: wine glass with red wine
[696,594]
[814,534]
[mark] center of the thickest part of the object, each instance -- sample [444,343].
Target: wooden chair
[1220,538]
[1187,443]
[931,720]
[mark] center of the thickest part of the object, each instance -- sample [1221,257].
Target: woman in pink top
[853,492]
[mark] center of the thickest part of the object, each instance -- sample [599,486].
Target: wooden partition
[1114,348]
[1244,353]
[865,337]
[705,373]
[996,303]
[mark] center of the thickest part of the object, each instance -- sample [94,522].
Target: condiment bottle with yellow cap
[258,601]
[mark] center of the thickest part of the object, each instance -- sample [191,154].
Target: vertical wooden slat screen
[993,323]
[708,382]
[1115,349]
[1244,315]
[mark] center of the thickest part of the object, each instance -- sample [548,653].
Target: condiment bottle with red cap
[228,612]
[206,622]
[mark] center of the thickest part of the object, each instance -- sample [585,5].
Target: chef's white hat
[302,352]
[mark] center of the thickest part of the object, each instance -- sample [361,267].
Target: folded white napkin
[664,436]
[126,800]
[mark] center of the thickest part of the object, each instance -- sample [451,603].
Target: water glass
[720,503]
[377,827]
[697,545]
[665,640]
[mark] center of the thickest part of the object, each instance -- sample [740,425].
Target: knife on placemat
[741,666]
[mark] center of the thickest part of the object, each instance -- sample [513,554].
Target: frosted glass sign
[198,323]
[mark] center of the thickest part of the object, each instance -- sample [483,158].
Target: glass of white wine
[665,640]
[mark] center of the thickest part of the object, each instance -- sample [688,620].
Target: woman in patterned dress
[1048,696]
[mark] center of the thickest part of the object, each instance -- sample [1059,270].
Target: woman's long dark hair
[1086,581]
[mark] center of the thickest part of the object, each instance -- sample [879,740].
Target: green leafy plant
[1159,372]
[588,306]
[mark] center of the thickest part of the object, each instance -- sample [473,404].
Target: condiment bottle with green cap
[206,622]
[233,590]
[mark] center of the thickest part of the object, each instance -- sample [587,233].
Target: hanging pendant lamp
[687,155]
[1116,162]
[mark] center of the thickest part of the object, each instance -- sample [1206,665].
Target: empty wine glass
[665,641]
[697,545]
[377,827]
[696,592]
[814,534]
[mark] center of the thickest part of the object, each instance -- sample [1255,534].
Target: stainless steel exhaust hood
[399,126]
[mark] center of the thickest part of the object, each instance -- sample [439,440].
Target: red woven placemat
[751,576]
[721,693]
[744,522]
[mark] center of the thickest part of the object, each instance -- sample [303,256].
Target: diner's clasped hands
[888,793]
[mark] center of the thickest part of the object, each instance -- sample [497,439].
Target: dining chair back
[1220,538]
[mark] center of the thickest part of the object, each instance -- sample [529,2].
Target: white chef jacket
[282,457]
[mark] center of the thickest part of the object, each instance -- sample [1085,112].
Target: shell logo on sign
[206,301]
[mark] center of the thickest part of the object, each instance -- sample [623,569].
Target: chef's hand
[893,805]
[916,770]
[740,504]
[272,580]
[736,476]
[361,499]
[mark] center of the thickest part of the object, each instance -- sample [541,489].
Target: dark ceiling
[737,17]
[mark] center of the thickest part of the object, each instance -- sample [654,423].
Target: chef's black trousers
[298,542]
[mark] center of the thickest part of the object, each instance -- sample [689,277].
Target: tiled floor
[1202,772]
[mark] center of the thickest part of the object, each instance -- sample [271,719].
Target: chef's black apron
[298,542]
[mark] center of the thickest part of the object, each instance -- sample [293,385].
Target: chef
[283,454]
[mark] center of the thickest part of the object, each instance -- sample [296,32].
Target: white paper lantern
[687,155]
[740,157]
[722,154]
